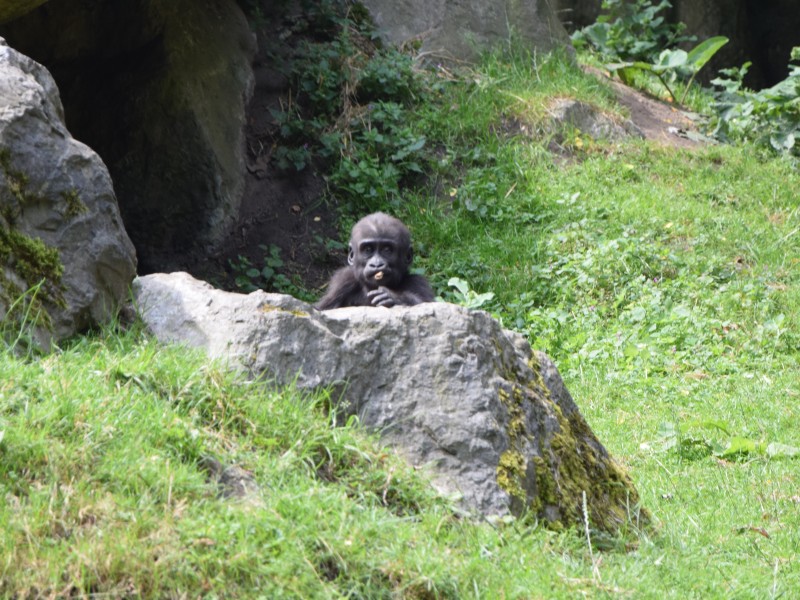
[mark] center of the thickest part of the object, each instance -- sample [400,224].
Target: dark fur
[355,285]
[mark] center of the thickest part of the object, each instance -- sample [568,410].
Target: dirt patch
[283,208]
[659,121]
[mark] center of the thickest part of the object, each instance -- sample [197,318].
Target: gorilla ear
[351,255]
[409,255]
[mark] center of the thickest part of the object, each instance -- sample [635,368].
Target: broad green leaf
[461,285]
[782,141]
[702,53]
[739,445]
[626,74]
[671,59]
[416,145]
[638,314]
[707,424]
[667,429]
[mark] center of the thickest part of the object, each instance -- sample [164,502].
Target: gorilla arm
[343,290]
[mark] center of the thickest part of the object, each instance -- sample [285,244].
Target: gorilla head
[379,257]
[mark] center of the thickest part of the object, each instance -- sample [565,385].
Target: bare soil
[283,208]
[659,121]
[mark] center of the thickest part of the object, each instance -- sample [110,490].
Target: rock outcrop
[158,88]
[460,29]
[590,120]
[60,228]
[447,387]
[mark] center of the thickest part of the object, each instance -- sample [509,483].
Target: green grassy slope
[664,283]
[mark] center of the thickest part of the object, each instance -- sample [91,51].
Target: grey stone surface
[159,89]
[461,29]
[447,387]
[591,121]
[56,194]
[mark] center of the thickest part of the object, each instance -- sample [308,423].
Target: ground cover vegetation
[665,283]
[637,42]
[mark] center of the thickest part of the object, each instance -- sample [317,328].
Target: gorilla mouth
[378,275]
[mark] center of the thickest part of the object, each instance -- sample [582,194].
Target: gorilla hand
[384,297]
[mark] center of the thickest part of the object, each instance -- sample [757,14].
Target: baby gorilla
[377,275]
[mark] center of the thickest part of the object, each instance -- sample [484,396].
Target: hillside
[663,281]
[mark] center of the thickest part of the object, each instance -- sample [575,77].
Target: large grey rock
[59,221]
[445,386]
[159,89]
[461,29]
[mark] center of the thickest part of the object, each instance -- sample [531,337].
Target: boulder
[159,89]
[460,29]
[447,387]
[591,121]
[59,221]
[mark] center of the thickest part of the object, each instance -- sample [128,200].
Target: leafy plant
[631,31]
[377,151]
[770,116]
[673,63]
[249,277]
[465,296]
[388,76]
[350,109]
[700,438]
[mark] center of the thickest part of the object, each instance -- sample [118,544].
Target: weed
[671,64]
[632,31]
[249,277]
[351,112]
[768,117]
[463,295]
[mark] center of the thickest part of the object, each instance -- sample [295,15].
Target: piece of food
[378,275]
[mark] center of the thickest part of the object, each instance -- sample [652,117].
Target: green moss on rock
[29,259]
[75,206]
[582,466]
[564,464]
[16,180]
[510,474]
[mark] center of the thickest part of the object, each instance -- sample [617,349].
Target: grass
[664,284]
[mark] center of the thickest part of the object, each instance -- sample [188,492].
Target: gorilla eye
[368,249]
